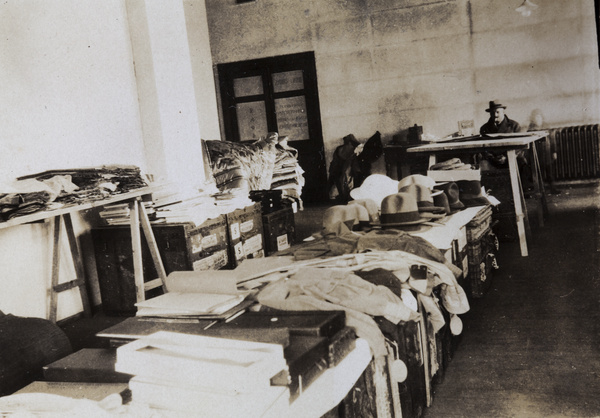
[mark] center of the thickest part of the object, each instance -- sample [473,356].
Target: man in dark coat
[498,122]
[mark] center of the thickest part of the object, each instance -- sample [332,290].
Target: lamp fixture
[526,8]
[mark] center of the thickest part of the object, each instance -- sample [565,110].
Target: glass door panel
[288,81]
[291,118]
[252,120]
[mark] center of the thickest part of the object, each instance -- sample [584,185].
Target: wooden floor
[531,346]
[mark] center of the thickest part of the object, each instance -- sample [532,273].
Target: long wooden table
[138,217]
[509,143]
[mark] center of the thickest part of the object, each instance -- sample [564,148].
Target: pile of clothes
[56,188]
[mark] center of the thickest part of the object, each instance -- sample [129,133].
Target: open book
[196,294]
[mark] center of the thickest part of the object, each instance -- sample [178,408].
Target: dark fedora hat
[471,193]
[451,190]
[401,209]
[494,106]
[442,200]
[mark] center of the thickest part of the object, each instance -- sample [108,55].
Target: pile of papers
[118,213]
[195,375]
[197,295]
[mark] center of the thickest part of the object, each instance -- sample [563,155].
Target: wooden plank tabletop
[490,141]
[47,214]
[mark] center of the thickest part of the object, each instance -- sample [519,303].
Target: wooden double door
[277,94]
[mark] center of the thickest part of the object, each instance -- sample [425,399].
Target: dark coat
[506,126]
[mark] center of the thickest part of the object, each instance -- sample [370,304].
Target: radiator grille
[577,150]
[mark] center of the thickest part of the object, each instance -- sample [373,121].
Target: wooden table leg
[516,191]
[158,264]
[136,246]
[80,280]
[55,268]
[537,169]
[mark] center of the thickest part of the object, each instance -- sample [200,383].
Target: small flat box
[92,365]
[77,390]
[310,323]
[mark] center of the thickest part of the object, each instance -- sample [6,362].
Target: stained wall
[387,64]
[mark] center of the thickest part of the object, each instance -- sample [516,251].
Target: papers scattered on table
[206,376]
[197,294]
[188,304]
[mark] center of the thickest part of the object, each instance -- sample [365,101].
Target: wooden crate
[182,246]
[279,230]
[481,258]
[245,233]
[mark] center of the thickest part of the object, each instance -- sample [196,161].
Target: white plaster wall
[71,97]
[388,64]
[67,99]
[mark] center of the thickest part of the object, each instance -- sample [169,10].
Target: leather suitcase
[306,357]
[406,339]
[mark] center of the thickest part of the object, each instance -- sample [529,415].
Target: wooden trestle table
[509,143]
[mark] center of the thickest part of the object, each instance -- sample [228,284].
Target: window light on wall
[526,8]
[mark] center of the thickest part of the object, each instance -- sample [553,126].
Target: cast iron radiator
[578,153]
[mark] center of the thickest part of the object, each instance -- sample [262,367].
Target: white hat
[375,187]
[417,179]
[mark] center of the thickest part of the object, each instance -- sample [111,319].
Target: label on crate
[235,230]
[253,244]
[282,242]
[247,226]
[200,243]
[238,249]
[212,262]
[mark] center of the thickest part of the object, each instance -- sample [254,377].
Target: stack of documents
[195,375]
[118,213]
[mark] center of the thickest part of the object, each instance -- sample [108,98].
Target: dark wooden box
[279,230]
[93,365]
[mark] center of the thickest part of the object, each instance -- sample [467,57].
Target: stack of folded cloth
[451,164]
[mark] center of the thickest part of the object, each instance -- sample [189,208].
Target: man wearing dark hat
[498,123]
